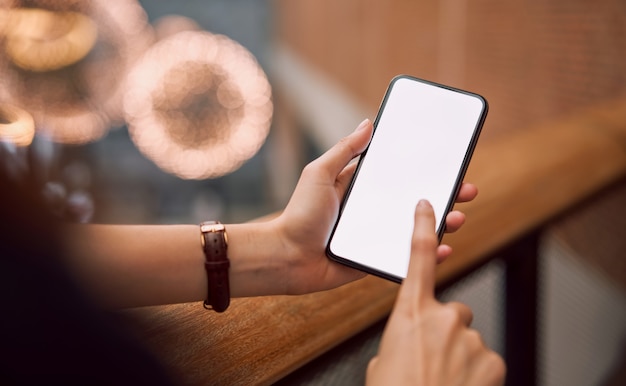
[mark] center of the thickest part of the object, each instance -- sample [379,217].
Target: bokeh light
[65,61]
[16,126]
[197,104]
[42,40]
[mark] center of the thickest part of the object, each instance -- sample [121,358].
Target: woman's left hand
[305,225]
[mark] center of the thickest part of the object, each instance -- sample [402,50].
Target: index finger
[420,280]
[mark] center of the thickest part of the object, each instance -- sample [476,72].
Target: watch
[214,244]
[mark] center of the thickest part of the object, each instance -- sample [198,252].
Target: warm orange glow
[198,105]
[16,126]
[66,67]
[41,40]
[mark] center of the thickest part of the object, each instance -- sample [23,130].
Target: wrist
[256,266]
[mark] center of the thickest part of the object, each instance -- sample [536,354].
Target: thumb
[337,157]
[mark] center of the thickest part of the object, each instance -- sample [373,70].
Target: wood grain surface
[525,179]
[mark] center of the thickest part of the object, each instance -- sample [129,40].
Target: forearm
[138,265]
[128,266]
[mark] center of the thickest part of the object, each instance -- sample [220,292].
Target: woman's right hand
[426,342]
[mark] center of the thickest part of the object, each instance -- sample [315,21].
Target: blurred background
[178,112]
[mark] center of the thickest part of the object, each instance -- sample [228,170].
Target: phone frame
[457,184]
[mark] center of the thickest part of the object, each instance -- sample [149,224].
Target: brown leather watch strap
[214,245]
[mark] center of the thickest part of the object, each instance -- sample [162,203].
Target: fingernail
[423,203]
[363,124]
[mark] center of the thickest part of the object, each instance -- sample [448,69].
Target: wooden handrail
[525,180]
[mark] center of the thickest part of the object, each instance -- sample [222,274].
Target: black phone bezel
[457,184]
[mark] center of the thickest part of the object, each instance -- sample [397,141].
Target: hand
[426,342]
[305,225]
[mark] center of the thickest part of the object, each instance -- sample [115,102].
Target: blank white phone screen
[421,140]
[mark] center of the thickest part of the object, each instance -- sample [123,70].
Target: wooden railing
[525,179]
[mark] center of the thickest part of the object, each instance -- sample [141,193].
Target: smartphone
[424,137]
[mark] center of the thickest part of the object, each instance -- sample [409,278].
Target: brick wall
[533,60]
